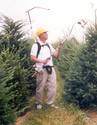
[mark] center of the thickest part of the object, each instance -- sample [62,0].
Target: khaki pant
[46,80]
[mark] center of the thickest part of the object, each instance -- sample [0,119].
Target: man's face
[43,36]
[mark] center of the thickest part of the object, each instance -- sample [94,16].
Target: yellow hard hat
[40,30]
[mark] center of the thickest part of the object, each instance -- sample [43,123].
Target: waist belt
[48,68]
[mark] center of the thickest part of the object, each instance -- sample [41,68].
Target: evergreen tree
[16,70]
[7,115]
[13,37]
[81,84]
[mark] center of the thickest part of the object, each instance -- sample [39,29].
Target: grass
[50,116]
[64,115]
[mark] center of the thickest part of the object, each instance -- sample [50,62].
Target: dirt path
[92,117]
[21,119]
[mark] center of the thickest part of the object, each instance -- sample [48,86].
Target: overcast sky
[63,14]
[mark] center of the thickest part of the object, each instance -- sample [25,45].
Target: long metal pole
[95,18]
[28,12]
[38,7]
[29,18]
[72,29]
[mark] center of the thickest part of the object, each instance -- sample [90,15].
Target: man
[46,75]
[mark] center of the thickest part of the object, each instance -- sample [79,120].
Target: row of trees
[78,66]
[81,83]
[16,83]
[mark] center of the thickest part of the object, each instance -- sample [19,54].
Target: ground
[64,115]
[90,120]
[92,117]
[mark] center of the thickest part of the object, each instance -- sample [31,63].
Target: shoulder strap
[48,46]
[39,48]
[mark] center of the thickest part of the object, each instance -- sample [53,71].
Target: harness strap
[39,48]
